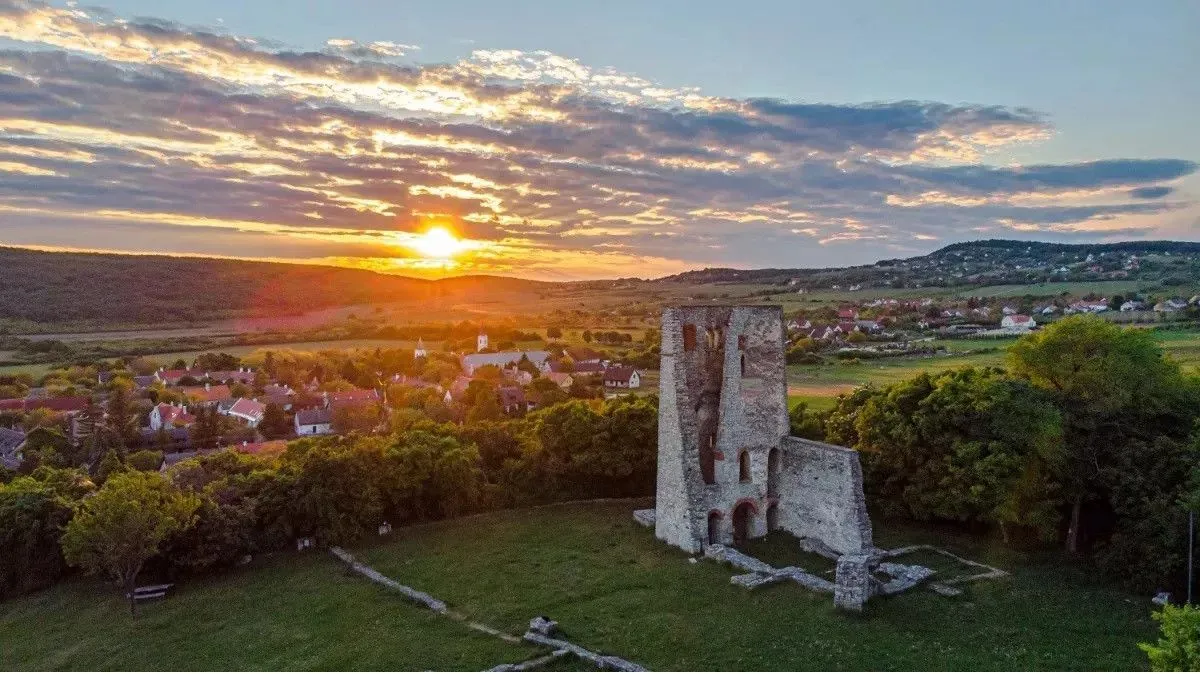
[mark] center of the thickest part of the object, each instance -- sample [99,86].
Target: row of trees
[1089,437]
[213,510]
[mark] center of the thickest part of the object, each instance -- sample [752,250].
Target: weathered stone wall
[821,497]
[722,395]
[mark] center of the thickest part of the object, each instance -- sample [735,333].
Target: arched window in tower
[744,466]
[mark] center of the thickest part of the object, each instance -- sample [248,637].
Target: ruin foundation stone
[727,469]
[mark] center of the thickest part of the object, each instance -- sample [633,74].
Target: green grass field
[819,385]
[291,612]
[612,586]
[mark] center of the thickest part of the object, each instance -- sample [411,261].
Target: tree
[275,423]
[146,459]
[120,417]
[1178,647]
[587,336]
[806,423]
[969,445]
[1116,391]
[205,432]
[485,407]
[33,511]
[553,333]
[123,524]
[362,417]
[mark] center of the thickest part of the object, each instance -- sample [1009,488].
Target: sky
[593,140]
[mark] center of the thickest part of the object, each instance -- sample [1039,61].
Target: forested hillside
[62,288]
[988,262]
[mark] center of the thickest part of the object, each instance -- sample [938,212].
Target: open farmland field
[819,385]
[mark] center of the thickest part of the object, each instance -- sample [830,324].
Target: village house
[563,379]
[318,421]
[847,314]
[65,405]
[358,396]
[512,399]
[458,388]
[622,377]
[166,415]
[11,442]
[1132,305]
[248,411]
[208,394]
[242,375]
[474,361]
[279,394]
[589,368]
[517,376]
[1018,322]
[420,351]
[173,377]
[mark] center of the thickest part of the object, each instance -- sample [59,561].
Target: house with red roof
[358,396]
[207,394]
[622,377]
[172,377]
[166,415]
[246,410]
[1018,322]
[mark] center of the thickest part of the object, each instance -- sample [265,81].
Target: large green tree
[1127,410]
[124,524]
[970,445]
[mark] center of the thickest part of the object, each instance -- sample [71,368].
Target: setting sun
[438,243]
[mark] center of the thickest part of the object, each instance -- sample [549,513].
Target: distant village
[183,410]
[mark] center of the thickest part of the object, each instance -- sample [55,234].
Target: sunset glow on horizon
[151,136]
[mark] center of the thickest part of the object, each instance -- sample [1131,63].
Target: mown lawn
[290,612]
[614,588]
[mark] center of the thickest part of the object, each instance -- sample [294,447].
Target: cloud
[1155,192]
[560,168]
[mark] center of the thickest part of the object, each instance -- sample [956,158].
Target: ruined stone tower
[727,470]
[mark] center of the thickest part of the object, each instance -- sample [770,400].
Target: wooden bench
[150,592]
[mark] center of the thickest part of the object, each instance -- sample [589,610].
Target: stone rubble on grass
[541,631]
[738,559]
[543,625]
[903,577]
[645,518]
[430,602]
[944,589]
[537,664]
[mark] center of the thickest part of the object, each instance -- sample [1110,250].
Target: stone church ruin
[728,471]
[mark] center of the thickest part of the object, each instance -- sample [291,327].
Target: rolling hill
[64,288]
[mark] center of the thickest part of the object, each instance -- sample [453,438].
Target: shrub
[1178,647]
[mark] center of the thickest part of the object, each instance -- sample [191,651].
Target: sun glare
[438,243]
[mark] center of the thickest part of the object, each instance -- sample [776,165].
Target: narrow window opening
[744,466]
[689,337]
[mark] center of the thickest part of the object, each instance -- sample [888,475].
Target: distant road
[117,335]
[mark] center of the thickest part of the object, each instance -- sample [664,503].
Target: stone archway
[743,521]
